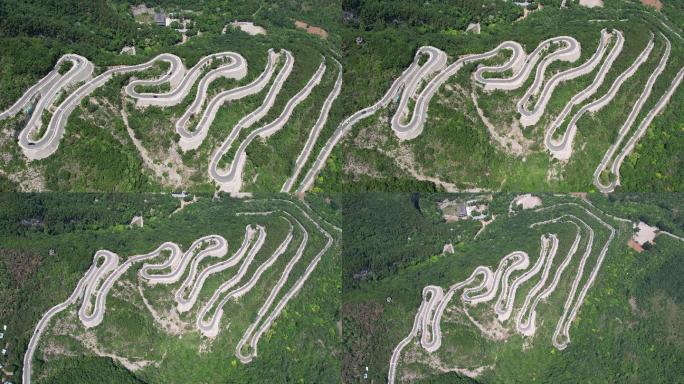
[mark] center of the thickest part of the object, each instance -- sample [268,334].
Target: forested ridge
[428,16]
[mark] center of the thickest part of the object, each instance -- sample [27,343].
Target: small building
[359,40]
[136,222]
[2,335]
[448,248]
[461,210]
[181,195]
[3,351]
[160,19]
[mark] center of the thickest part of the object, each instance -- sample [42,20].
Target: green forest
[48,240]
[627,329]
[455,146]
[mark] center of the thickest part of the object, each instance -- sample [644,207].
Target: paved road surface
[562,149]
[482,286]
[192,139]
[411,78]
[631,118]
[231,180]
[315,132]
[106,270]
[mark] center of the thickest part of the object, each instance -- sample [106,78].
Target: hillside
[549,290]
[219,290]
[220,97]
[554,97]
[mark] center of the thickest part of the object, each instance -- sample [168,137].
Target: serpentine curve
[428,317]
[230,180]
[193,139]
[315,132]
[105,271]
[530,116]
[435,72]
[641,129]
[562,149]
[181,81]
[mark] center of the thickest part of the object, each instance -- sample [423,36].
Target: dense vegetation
[97,152]
[374,250]
[429,16]
[627,329]
[455,146]
[40,265]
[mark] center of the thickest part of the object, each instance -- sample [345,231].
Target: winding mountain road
[483,285]
[192,139]
[530,116]
[435,73]
[631,118]
[106,270]
[315,132]
[181,81]
[562,148]
[231,180]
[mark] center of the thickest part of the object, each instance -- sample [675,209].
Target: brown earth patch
[653,3]
[635,246]
[320,32]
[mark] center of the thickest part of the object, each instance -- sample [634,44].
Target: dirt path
[507,144]
[164,172]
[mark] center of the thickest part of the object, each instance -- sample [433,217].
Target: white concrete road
[434,73]
[47,144]
[106,270]
[192,139]
[485,285]
[530,115]
[230,180]
[181,81]
[562,148]
[641,129]
[417,84]
[315,132]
